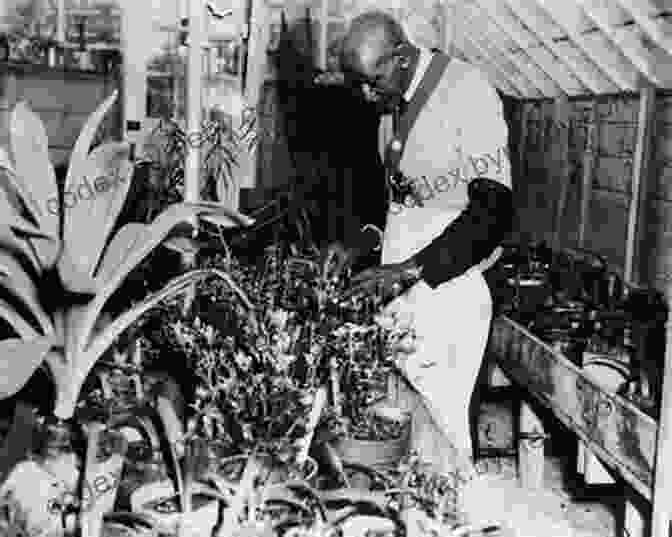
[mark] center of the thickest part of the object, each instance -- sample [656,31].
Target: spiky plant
[59,265]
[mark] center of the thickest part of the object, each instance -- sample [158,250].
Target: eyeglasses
[383,65]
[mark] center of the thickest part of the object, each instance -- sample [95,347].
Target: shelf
[45,70]
[618,432]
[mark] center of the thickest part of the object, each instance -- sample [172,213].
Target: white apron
[451,324]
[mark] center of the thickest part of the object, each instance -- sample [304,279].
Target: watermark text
[485,165]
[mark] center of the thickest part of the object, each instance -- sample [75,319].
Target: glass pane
[336,8]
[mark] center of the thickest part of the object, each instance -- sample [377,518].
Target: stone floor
[556,505]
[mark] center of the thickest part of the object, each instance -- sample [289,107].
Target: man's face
[377,72]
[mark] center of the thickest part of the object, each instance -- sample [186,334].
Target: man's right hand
[336,259]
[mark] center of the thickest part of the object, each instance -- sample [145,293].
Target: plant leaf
[103,340]
[9,184]
[21,286]
[80,152]
[151,237]
[5,162]
[172,433]
[10,243]
[105,177]
[121,245]
[82,362]
[14,319]
[73,276]
[225,216]
[19,359]
[33,167]
[182,245]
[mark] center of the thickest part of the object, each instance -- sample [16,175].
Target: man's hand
[387,281]
[336,259]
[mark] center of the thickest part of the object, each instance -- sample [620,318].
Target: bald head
[370,35]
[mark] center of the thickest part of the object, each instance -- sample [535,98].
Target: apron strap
[404,124]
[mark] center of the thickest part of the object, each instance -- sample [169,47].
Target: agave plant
[59,268]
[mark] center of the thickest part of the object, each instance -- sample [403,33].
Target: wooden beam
[522,142]
[324,34]
[662,484]
[526,88]
[644,12]
[498,79]
[449,27]
[531,459]
[613,428]
[530,14]
[589,165]
[482,24]
[465,42]
[654,63]
[571,18]
[641,166]
[192,163]
[552,66]
[561,146]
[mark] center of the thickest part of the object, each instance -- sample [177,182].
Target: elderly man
[450,206]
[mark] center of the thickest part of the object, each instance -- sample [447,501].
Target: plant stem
[319,403]
[246,488]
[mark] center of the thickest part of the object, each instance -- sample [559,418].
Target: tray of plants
[273,405]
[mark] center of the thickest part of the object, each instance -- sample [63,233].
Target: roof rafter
[473,17]
[499,79]
[655,63]
[506,20]
[532,16]
[525,87]
[571,18]
[644,12]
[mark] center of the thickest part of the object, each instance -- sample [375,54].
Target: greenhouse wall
[62,99]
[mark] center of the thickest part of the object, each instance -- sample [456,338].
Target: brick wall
[614,130]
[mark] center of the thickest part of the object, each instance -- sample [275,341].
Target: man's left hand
[387,281]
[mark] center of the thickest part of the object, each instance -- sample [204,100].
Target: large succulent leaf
[18,323]
[20,247]
[34,171]
[104,339]
[82,362]
[5,162]
[105,177]
[15,281]
[12,206]
[117,251]
[19,359]
[73,276]
[224,216]
[122,244]
[152,236]
[80,152]
[31,239]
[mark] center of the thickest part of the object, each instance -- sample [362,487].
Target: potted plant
[61,267]
[372,431]
[221,146]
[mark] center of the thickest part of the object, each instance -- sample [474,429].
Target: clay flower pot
[374,452]
[160,503]
[231,470]
[127,525]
